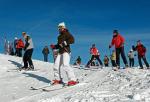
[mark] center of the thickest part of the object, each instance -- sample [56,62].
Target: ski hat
[131,50]
[115,31]
[62,25]
[93,45]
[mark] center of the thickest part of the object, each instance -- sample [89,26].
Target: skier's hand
[52,46]
[63,44]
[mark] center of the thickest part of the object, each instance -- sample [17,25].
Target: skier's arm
[134,48]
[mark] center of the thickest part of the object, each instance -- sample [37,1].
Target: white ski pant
[63,61]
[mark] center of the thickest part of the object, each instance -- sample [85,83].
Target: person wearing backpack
[141,50]
[65,39]
[19,46]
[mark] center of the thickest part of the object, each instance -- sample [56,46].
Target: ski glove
[52,46]
[63,44]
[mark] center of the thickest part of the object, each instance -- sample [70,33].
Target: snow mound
[101,85]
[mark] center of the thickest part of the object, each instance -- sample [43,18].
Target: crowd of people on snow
[62,50]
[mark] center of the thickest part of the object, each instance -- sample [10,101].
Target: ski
[38,88]
[63,87]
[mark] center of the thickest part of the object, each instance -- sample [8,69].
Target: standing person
[95,54]
[28,52]
[78,61]
[131,58]
[106,61]
[118,41]
[141,50]
[113,58]
[15,46]
[19,47]
[65,39]
[45,52]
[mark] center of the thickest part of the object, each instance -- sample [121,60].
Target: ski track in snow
[102,85]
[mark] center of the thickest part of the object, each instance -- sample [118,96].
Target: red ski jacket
[94,51]
[20,44]
[141,50]
[118,41]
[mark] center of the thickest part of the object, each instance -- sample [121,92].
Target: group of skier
[62,59]
[118,41]
[65,39]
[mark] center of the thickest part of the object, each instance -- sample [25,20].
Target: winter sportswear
[94,51]
[64,41]
[118,41]
[141,49]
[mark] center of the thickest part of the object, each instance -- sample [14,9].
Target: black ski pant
[131,61]
[113,62]
[106,65]
[92,58]
[19,52]
[118,52]
[27,58]
[140,61]
[46,57]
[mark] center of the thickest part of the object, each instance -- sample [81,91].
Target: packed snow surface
[96,85]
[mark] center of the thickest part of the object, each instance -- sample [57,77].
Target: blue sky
[90,21]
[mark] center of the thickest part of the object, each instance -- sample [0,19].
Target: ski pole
[110,51]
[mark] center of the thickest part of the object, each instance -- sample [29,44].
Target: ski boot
[31,68]
[72,82]
[23,68]
[55,82]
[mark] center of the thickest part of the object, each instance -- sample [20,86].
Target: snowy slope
[132,85]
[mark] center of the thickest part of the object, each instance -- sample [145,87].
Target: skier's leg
[140,62]
[130,61]
[66,65]
[118,56]
[89,62]
[100,62]
[133,62]
[46,57]
[56,67]
[145,61]
[30,58]
[123,56]
[21,52]
[25,59]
